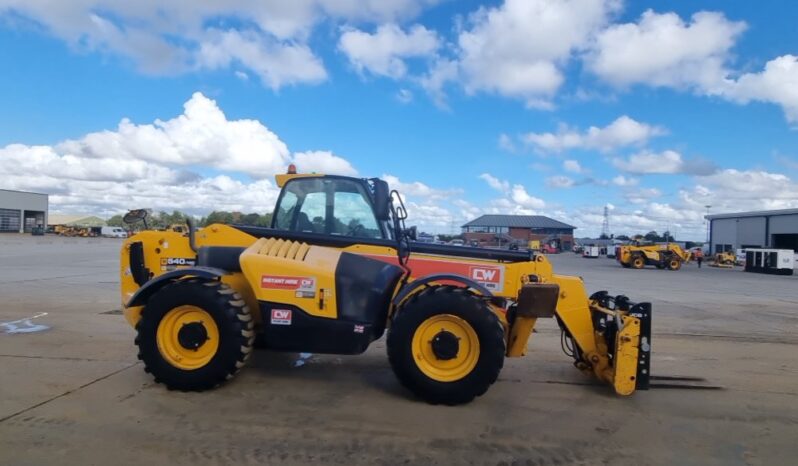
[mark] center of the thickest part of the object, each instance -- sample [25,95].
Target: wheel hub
[192,335]
[445,345]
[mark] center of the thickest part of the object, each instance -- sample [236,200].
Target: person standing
[699,257]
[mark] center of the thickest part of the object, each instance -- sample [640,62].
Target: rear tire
[193,335]
[474,363]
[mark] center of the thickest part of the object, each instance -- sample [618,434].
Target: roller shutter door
[9,220]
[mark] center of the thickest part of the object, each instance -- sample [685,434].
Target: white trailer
[591,252]
[774,261]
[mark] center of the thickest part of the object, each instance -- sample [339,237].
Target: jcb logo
[491,275]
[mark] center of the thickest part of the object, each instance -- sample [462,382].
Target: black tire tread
[458,301]
[230,357]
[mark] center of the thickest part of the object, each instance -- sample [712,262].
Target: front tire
[638,262]
[446,345]
[193,335]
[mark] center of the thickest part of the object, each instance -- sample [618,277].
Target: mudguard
[407,290]
[151,287]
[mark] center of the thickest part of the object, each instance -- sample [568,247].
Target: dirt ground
[72,391]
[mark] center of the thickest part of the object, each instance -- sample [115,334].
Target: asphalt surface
[72,391]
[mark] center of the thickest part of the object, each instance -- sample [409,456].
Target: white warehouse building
[774,229]
[21,211]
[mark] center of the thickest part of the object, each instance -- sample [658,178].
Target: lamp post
[706,220]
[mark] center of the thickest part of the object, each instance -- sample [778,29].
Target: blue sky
[531,107]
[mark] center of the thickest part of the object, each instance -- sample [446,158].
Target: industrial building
[490,230]
[21,211]
[776,229]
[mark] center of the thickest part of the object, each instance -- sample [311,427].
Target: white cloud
[520,196]
[734,190]
[664,50]
[495,183]
[180,35]
[276,63]
[560,181]
[151,165]
[202,135]
[651,162]
[624,181]
[665,162]
[404,96]
[777,83]
[622,132]
[517,49]
[323,162]
[383,53]
[506,143]
[572,166]
[441,72]
[642,195]
[418,189]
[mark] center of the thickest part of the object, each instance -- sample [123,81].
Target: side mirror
[382,200]
[135,216]
[412,233]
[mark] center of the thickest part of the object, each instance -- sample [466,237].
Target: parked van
[113,232]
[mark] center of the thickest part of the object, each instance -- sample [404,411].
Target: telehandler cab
[335,271]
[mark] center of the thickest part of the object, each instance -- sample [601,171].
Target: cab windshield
[329,206]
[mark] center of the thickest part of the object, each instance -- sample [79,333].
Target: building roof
[518,221]
[756,213]
[24,192]
[75,220]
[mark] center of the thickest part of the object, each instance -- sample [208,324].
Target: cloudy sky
[555,107]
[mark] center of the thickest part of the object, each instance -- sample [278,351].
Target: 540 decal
[172,263]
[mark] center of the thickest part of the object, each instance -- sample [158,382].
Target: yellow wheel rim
[674,264]
[174,351]
[448,370]
[638,263]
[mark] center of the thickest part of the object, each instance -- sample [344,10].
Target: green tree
[115,221]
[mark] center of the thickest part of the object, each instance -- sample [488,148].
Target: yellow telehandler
[663,256]
[338,269]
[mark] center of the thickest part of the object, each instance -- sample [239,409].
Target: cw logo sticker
[491,278]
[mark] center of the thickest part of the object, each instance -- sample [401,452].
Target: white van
[113,232]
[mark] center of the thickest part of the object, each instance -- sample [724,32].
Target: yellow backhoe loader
[663,256]
[338,269]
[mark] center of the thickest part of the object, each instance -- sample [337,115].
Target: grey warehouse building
[775,229]
[21,211]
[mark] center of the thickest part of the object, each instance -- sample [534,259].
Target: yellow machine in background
[534,245]
[663,256]
[336,270]
[724,260]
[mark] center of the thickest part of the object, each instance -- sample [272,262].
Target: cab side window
[311,217]
[354,215]
[285,211]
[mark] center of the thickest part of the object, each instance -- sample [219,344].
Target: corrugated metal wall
[751,232]
[784,224]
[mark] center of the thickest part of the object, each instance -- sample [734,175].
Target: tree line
[162,220]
